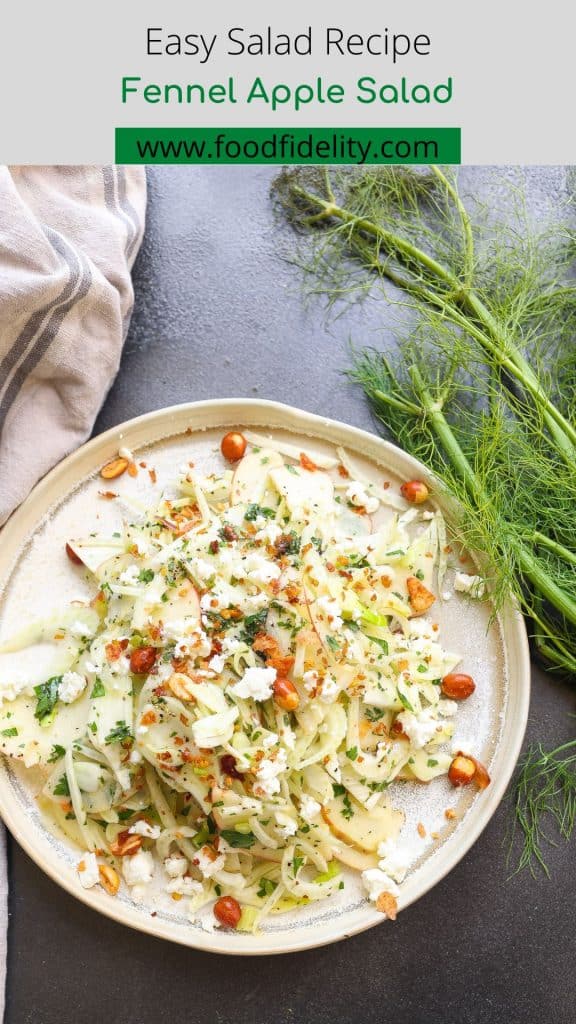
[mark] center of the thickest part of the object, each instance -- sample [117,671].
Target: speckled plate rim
[168,422]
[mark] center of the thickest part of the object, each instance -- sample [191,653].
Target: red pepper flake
[343,472]
[108,495]
[152,475]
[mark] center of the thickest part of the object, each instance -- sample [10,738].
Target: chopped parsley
[47,694]
[146,576]
[62,788]
[431,763]
[404,701]
[119,734]
[332,643]
[267,887]
[297,863]
[252,625]
[98,688]
[56,753]
[381,643]
[10,732]
[238,840]
[254,510]
[338,789]
[352,753]
[348,810]
[375,714]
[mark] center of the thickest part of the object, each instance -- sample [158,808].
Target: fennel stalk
[482,389]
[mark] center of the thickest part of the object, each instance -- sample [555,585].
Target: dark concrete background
[219,313]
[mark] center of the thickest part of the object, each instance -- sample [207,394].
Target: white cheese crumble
[88,871]
[217,663]
[357,495]
[184,886]
[139,869]
[472,585]
[129,577]
[143,828]
[175,866]
[329,689]
[309,807]
[268,772]
[11,689]
[311,680]
[419,728]
[256,683]
[377,881]
[72,685]
[206,863]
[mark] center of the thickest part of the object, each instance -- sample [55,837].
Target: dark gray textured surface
[219,313]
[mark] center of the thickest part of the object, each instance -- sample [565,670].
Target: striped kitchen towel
[68,239]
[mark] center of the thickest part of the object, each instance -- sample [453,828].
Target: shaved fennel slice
[291,451]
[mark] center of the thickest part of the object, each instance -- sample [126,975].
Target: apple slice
[363,829]
[251,476]
[94,553]
[311,494]
[183,603]
[354,858]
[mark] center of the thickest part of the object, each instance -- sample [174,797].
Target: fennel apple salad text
[257,666]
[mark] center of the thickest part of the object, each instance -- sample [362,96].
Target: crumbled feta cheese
[235,515]
[129,577]
[419,728]
[72,685]
[190,639]
[329,689]
[267,774]
[446,596]
[88,871]
[139,869]
[428,514]
[311,680]
[135,757]
[184,886]
[11,689]
[331,611]
[217,663]
[472,585]
[214,730]
[80,629]
[394,860]
[120,667]
[143,828]
[309,807]
[286,826]
[175,866]
[256,683]
[231,645]
[357,495]
[126,453]
[260,569]
[207,863]
[376,882]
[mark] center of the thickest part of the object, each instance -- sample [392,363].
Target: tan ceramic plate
[491,725]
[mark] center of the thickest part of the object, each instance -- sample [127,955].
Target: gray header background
[62,64]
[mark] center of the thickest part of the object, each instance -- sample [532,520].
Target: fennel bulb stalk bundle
[482,389]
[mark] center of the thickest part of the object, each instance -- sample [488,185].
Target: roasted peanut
[228,911]
[457,685]
[114,468]
[109,879]
[142,660]
[387,904]
[126,844]
[285,694]
[462,770]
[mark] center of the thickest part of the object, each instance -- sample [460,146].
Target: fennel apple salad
[258,663]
